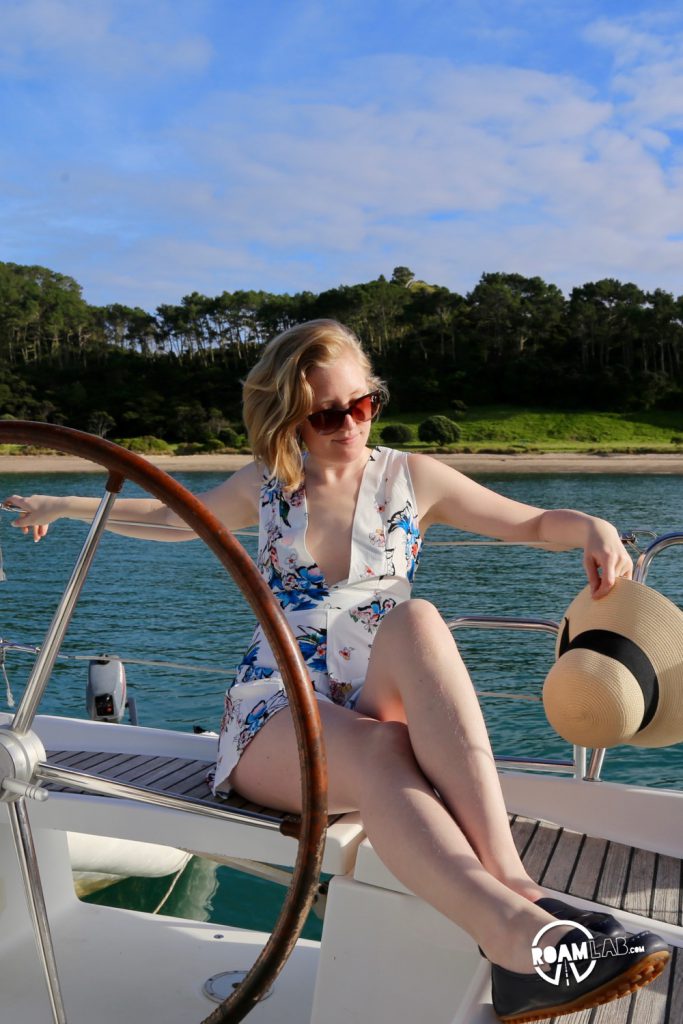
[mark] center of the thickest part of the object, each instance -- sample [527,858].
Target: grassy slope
[490,427]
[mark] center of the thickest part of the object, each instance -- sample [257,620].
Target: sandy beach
[475,464]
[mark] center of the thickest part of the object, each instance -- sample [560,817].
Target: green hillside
[491,427]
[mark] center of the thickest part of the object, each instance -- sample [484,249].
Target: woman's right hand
[36,513]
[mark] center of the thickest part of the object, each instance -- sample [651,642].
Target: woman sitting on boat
[340,530]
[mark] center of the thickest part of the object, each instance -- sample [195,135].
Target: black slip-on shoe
[595,920]
[583,973]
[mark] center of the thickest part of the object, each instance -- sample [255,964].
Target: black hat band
[631,656]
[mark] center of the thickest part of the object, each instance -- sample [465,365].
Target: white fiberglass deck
[626,878]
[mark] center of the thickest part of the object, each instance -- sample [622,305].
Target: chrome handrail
[503,622]
[658,545]
[577,766]
[539,764]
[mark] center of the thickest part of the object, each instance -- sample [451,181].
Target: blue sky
[154,149]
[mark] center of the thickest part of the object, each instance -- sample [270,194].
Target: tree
[101,423]
[512,314]
[606,317]
[402,276]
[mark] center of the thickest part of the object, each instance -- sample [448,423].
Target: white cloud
[509,144]
[109,37]
[628,41]
[647,55]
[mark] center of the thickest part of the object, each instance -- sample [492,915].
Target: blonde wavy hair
[277,396]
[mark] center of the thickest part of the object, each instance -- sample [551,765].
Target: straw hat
[618,677]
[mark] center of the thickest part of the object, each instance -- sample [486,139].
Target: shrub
[396,433]
[190,448]
[459,408]
[146,445]
[439,430]
[229,437]
[214,444]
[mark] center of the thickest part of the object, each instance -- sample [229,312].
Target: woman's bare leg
[372,769]
[416,675]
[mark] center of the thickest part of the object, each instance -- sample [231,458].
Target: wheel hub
[19,755]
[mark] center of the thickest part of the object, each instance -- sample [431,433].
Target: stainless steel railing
[580,767]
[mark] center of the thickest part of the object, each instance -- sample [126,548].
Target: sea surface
[175,602]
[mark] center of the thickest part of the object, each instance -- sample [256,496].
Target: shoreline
[470,464]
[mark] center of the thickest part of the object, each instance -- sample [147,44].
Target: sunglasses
[362,409]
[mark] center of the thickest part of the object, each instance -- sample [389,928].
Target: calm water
[175,602]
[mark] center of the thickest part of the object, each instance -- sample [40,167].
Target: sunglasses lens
[362,409]
[328,421]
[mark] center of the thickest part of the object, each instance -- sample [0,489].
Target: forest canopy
[176,373]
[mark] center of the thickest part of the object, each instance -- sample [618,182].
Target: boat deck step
[623,877]
[174,776]
[619,876]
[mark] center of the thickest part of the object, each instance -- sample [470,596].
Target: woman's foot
[576,974]
[596,920]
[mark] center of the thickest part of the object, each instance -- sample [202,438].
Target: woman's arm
[234,502]
[446,496]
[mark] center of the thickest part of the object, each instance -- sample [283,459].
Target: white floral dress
[334,626]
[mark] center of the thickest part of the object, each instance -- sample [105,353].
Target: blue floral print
[406,520]
[259,714]
[300,588]
[313,646]
[249,669]
[370,615]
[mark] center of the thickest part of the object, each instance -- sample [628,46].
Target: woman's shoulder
[249,475]
[235,500]
[433,482]
[426,466]
[258,474]
[392,462]
[382,453]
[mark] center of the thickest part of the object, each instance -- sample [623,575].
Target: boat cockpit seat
[175,765]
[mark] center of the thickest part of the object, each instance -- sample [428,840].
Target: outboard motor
[106,690]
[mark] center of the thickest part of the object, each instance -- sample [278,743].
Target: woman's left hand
[605,558]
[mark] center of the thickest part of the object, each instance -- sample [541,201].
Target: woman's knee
[356,760]
[357,748]
[416,611]
[388,741]
[415,620]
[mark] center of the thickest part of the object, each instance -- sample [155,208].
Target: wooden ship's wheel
[22,755]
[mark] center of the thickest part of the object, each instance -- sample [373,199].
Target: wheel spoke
[40,676]
[110,787]
[35,899]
